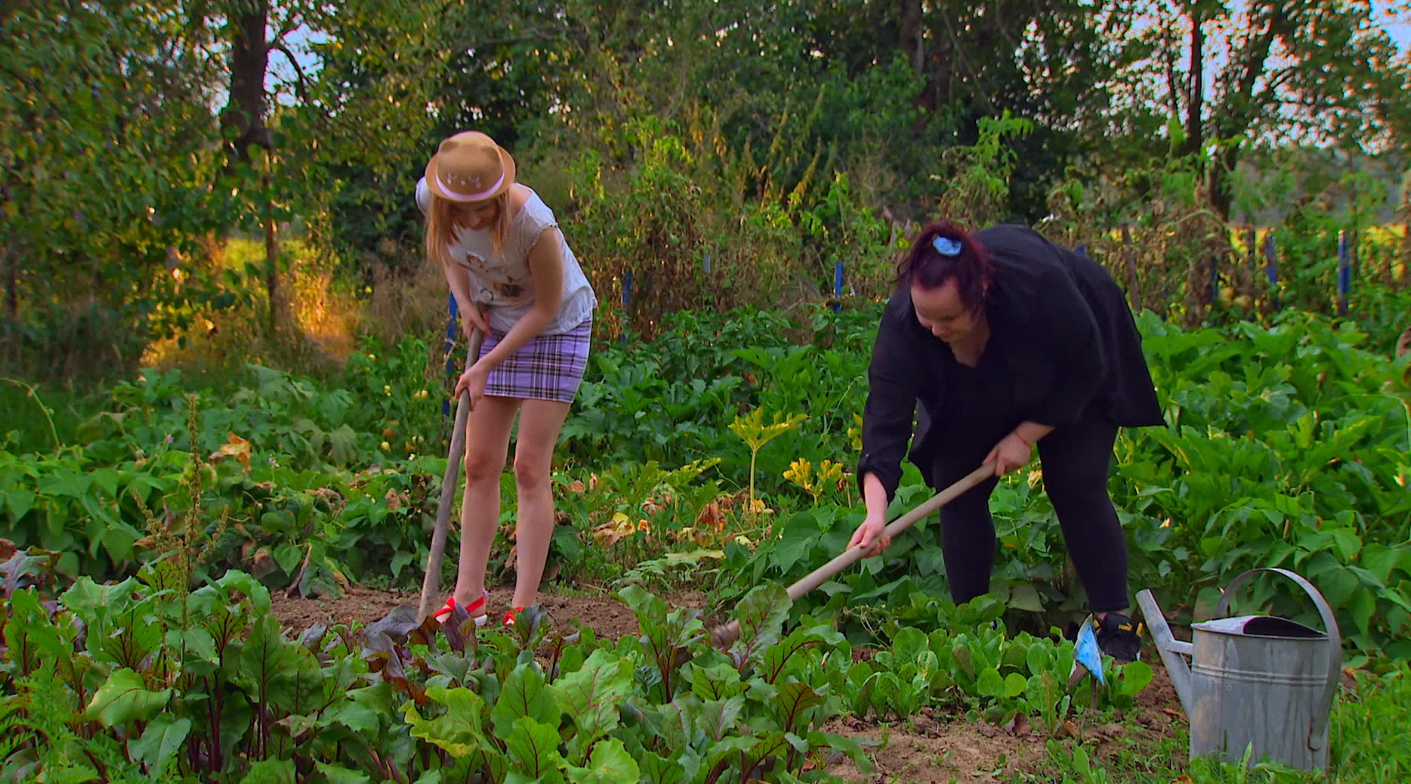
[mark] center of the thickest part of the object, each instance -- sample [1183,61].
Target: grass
[1369,745]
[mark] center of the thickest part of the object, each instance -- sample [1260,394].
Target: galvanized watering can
[1254,679]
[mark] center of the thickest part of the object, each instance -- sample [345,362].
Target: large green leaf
[590,695]
[718,718]
[761,614]
[271,771]
[458,729]
[355,716]
[337,774]
[265,661]
[20,501]
[125,697]
[533,749]
[160,741]
[343,446]
[609,764]
[844,745]
[657,769]
[779,658]
[523,694]
[793,703]
[990,684]
[717,682]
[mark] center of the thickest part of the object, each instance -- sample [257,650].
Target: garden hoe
[431,583]
[723,636]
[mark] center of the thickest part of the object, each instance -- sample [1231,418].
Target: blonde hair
[441,225]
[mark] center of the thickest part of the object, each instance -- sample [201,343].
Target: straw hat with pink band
[469,167]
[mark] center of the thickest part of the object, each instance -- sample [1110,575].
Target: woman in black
[1007,341]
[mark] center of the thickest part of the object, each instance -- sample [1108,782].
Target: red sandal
[476,610]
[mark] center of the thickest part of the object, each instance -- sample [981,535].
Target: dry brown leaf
[237,448]
[712,515]
[1018,726]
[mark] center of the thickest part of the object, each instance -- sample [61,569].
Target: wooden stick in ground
[431,582]
[722,636]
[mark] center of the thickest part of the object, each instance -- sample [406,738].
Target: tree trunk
[12,283]
[244,115]
[272,259]
[1217,172]
[910,34]
[243,122]
[1400,280]
[1195,93]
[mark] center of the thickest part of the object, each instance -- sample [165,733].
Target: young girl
[514,278]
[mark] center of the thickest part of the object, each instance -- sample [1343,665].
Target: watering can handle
[1325,703]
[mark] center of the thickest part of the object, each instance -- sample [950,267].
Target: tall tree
[1307,71]
[105,134]
[256,29]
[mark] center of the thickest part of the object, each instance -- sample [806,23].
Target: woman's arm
[546,270]
[889,415]
[1031,432]
[458,279]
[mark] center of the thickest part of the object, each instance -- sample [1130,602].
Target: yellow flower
[800,472]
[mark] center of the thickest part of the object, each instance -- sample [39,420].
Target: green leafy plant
[756,433]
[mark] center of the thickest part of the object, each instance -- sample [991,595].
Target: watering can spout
[1170,648]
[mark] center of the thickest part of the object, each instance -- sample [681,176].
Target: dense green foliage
[1287,445]
[724,154]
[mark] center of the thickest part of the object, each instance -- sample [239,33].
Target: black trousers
[1076,459]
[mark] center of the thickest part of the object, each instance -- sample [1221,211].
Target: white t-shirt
[503,280]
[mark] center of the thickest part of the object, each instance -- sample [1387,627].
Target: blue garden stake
[626,299]
[1082,250]
[837,286]
[1271,254]
[1214,279]
[450,348]
[1344,272]
[707,261]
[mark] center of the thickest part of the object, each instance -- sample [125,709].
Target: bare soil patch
[934,748]
[608,617]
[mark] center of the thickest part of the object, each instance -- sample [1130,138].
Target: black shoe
[1117,637]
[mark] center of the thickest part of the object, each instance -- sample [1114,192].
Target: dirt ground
[608,617]
[928,748]
[937,749]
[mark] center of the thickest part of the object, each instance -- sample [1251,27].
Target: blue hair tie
[946,246]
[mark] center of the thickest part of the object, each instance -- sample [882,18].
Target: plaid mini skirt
[548,367]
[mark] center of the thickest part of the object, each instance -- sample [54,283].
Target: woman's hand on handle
[1010,453]
[476,318]
[473,381]
[871,534]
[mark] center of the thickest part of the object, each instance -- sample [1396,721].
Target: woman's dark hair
[970,267]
